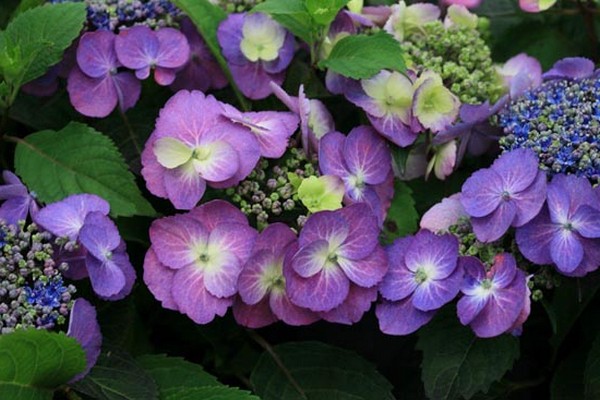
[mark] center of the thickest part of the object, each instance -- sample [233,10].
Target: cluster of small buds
[470,246]
[113,15]
[460,56]
[560,121]
[236,6]
[269,194]
[32,291]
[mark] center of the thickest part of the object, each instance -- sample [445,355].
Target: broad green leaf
[316,371]
[116,376]
[78,159]
[210,393]
[591,376]
[457,364]
[293,15]
[362,56]
[173,374]
[567,382]
[324,11]
[207,17]
[25,5]
[402,218]
[567,304]
[36,39]
[33,363]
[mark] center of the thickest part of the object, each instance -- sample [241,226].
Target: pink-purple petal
[250,286]
[221,278]
[290,313]
[571,68]
[368,271]
[105,275]
[566,250]
[400,317]
[367,155]
[586,221]
[529,202]
[234,238]
[321,292]
[217,212]
[491,228]
[174,50]
[174,239]
[351,311]
[443,215]
[534,238]
[363,231]
[428,250]
[96,55]
[311,259]
[517,179]
[84,327]
[184,186]
[481,193]
[159,280]
[137,47]
[253,316]
[433,293]
[192,298]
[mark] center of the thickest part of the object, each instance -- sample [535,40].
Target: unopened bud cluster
[560,121]
[32,291]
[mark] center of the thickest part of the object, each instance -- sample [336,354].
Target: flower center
[201,153]
[204,258]
[505,195]
[420,275]
[486,284]
[568,226]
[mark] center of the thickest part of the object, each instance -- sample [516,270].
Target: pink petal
[159,280]
[176,240]
[368,271]
[253,316]
[184,186]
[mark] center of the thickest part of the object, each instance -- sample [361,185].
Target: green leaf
[207,17]
[324,11]
[402,218]
[567,382]
[293,15]
[172,374]
[116,376]
[25,5]
[567,304]
[36,39]
[316,371]
[33,363]
[362,56]
[457,364]
[591,376]
[78,159]
[210,393]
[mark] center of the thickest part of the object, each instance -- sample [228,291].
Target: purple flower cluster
[202,262]
[199,141]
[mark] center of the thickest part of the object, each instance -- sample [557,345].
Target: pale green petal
[171,153]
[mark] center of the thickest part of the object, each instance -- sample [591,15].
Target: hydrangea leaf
[210,393]
[116,376]
[324,11]
[567,382]
[35,40]
[292,14]
[317,371]
[591,376]
[456,364]
[78,159]
[207,17]
[33,363]
[402,218]
[362,56]
[173,374]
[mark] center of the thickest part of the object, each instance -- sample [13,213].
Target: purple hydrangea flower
[315,120]
[258,51]
[84,327]
[18,202]
[193,145]
[84,218]
[363,161]
[567,231]
[143,49]
[336,248]
[494,300]
[202,72]
[272,129]
[509,193]
[424,275]
[95,85]
[262,293]
[196,258]
[107,263]
[387,99]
